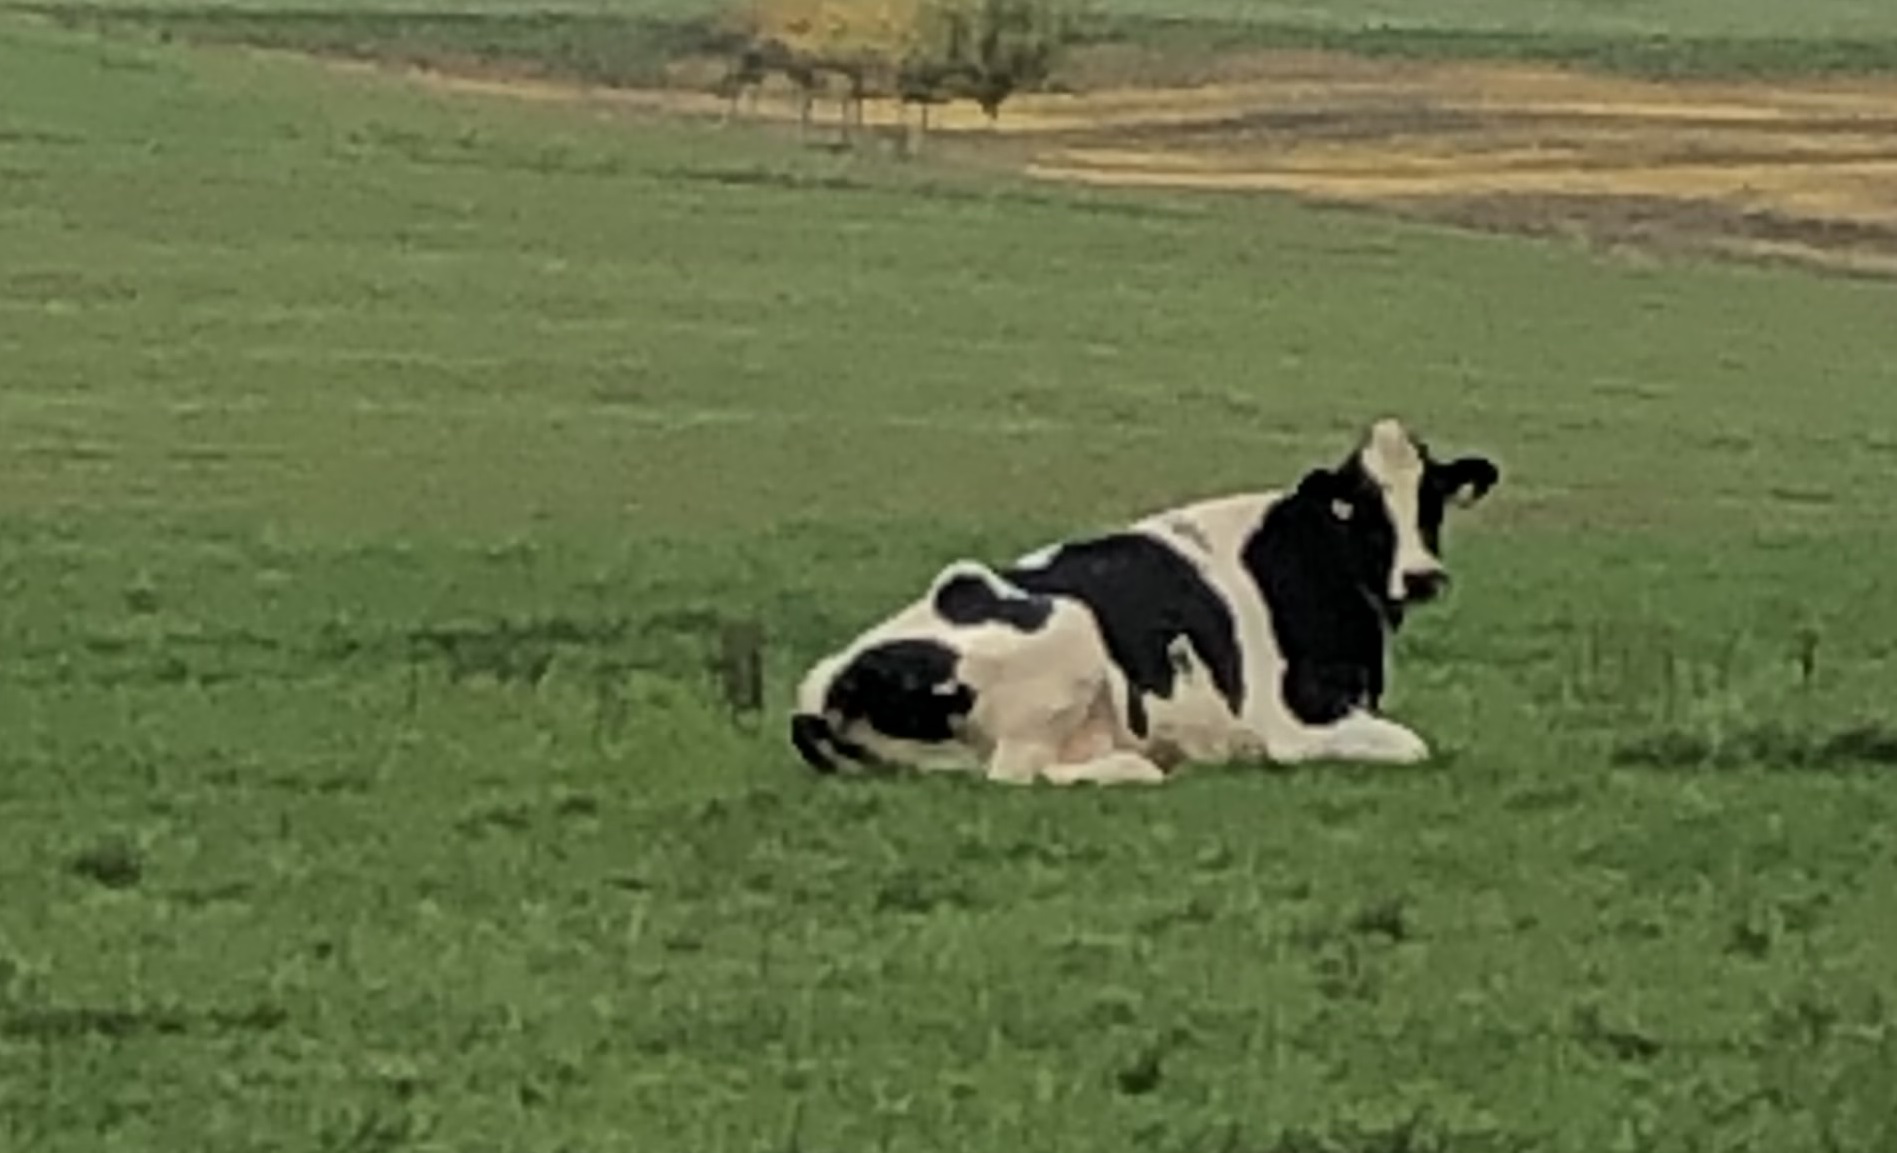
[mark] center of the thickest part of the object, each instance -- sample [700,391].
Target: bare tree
[817,43]
[934,71]
[980,50]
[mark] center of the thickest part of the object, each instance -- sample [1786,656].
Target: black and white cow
[1252,627]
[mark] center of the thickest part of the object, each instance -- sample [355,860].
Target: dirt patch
[1675,225]
[1800,171]
[1804,171]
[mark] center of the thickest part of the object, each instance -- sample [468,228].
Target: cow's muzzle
[1420,588]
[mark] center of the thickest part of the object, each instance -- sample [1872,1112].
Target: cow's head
[1388,499]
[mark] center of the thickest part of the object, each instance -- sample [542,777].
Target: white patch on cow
[959,567]
[1358,737]
[1179,654]
[953,757]
[964,568]
[1392,461]
[1039,558]
[1048,699]
[816,682]
[1185,530]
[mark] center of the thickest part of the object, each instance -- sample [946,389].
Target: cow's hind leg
[1024,762]
[1020,762]
[1116,768]
[1050,711]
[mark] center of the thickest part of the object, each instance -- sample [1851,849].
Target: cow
[1249,628]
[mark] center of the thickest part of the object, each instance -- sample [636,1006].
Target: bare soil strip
[1802,170]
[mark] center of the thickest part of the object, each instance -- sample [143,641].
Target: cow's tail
[821,746]
[815,741]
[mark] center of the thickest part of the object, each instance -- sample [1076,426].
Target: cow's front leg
[1360,736]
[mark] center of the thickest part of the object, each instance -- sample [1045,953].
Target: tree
[922,52]
[983,50]
[858,41]
[1015,44]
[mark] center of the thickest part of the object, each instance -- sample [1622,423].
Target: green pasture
[378,467]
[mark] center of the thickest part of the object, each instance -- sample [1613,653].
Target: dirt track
[1805,171]
[1800,171]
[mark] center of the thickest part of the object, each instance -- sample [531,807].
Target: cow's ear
[1468,479]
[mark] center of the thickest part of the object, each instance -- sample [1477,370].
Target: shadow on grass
[62,1023]
[1767,745]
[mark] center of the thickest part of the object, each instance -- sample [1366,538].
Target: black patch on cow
[904,689]
[1145,596]
[968,600]
[1321,574]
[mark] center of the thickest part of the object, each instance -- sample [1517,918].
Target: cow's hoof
[1397,745]
[1364,739]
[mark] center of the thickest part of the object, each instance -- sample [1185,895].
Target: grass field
[1680,136]
[377,463]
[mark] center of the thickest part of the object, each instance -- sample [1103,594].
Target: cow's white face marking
[1392,462]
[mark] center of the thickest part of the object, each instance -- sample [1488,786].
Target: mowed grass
[376,469]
